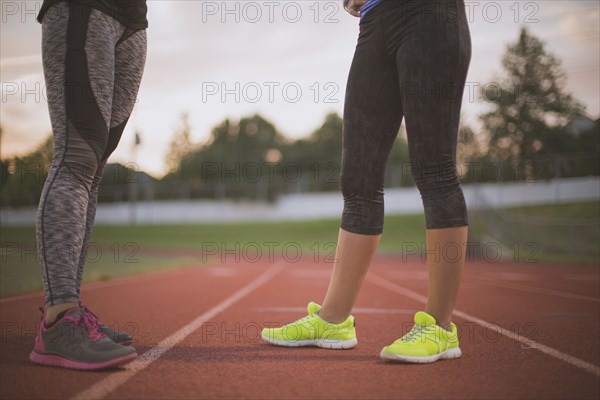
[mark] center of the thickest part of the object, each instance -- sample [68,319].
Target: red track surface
[557,306]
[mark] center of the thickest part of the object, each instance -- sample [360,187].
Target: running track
[527,331]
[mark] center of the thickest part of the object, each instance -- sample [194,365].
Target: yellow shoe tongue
[312,308]
[424,319]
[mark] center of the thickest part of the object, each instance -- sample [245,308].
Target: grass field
[565,233]
[128,250]
[590,209]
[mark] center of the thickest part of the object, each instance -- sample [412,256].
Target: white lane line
[540,290]
[355,310]
[576,362]
[104,387]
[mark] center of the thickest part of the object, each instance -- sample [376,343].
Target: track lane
[224,360]
[229,360]
[151,310]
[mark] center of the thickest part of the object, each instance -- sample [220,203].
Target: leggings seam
[43,230]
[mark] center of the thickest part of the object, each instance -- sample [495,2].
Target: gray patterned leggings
[93,66]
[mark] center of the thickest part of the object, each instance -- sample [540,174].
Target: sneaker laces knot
[299,321]
[90,323]
[92,326]
[415,333]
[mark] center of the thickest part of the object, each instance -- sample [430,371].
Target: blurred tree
[529,107]
[318,156]
[116,180]
[180,145]
[587,154]
[23,177]
[327,139]
[4,165]
[233,161]
[231,144]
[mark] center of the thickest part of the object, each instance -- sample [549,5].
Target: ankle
[54,311]
[445,326]
[442,322]
[334,319]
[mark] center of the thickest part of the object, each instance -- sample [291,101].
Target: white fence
[321,205]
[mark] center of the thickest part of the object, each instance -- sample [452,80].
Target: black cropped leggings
[411,62]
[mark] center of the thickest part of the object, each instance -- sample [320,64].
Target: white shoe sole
[444,355]
[322,343]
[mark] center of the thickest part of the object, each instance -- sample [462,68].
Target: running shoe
[313,330]
[425,343]
[118,337]
[76,341]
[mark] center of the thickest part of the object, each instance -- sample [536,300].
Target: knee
[442,196]
[81,162]
[348,185]
[363,207]
[435,179]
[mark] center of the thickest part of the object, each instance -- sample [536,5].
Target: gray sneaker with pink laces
[77,341]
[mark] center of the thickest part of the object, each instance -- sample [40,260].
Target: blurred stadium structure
[264,182]
[492,216]
[564,237]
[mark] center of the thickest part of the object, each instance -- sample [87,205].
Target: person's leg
[435,59]
[56,253]
[78,53]
[89,223]
[433,62]
[352,259]
[433,54]
[79,76]
[372,117]
[446,260]
[130,58]
[129,61]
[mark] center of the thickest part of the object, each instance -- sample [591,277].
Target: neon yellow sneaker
[425,343]
[312,330]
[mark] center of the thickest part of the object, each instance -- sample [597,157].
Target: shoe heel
[452,353]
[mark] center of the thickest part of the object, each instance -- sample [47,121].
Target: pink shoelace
[86,310]
[91,324]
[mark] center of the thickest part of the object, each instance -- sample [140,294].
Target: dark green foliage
[525,130]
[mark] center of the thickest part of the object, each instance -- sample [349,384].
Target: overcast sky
[283,59]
